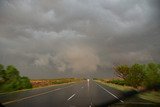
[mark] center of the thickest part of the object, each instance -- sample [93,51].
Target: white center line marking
[90,105]
[110,93]
[71,97]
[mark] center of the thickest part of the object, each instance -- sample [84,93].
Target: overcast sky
[56,38]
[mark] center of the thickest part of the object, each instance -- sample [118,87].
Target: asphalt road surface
[82,94]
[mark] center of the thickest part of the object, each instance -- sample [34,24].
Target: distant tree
[122,71]
[136,75]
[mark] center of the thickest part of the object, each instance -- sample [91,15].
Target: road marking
[88,84]
[71,97]
[90,105]
[25,98]
[110,93]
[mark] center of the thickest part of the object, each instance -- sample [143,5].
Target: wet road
[83,94]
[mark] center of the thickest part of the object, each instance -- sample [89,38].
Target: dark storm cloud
[58,37]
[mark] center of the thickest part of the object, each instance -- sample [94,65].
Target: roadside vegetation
[108,82]
[137,77]
[48,82]
[10,80]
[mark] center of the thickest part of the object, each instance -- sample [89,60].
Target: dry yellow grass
[48,82]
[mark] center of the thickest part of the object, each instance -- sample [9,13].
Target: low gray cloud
[55,38]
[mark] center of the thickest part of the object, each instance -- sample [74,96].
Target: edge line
[25,98]
[110,93]
[71,97]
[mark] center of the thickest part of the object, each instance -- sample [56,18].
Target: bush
[122,71]
[117,81]
[25,83]
[139,75]
[136,75]
[11,80]
[152,75]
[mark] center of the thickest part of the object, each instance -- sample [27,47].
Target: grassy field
[153,96]
[47,82]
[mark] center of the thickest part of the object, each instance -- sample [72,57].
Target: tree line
[146,75]
[10,79]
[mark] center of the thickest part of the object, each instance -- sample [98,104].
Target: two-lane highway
[83,94]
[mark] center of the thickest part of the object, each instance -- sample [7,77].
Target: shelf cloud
[76,37]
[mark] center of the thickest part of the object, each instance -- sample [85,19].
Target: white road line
[71,97]
[90,105]
[110,93]
[25,98]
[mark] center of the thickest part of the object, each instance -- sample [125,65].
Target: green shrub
[136,75]
[11,80]
[117,81]
[152,75]
[122,71]
[25,83]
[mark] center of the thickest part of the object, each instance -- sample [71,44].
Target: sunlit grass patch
[153,96]
[116,86]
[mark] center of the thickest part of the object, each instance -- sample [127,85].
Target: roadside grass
[116,86]
[153,96]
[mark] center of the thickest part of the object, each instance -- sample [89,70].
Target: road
[82,94]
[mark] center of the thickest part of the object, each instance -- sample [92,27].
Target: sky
[78,38]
